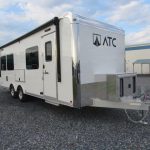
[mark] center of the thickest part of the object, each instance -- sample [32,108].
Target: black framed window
[10,62]
[3,63]
[48,51]
[32,58]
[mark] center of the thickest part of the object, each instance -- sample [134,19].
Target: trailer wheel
[13,93]
[21,95]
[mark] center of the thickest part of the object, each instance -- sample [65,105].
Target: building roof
[142,61]
[138,47]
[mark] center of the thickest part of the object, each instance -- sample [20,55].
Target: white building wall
[132,56]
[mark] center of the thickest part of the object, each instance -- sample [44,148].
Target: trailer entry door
[49,66]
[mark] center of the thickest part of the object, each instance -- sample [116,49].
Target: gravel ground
[37,125]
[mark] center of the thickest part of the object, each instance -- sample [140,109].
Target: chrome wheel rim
[12,92]
[20,95]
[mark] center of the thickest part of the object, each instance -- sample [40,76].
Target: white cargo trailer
[71,61]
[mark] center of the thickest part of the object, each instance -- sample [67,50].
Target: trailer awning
[142,61]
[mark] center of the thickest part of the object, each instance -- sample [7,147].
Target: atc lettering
[99,40]
[109,41]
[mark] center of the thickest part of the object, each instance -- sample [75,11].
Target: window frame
[32,50]
[46,56]
[12,63]
[5,63]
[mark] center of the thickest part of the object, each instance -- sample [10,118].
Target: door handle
[46,72]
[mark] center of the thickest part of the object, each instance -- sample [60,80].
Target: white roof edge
[137,45]
[97,23]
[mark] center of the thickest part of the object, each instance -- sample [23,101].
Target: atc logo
[100,40]
[96,39]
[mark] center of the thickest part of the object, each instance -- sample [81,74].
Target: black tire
[13,93]
[21,95]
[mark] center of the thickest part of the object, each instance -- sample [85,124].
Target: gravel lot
[37,125]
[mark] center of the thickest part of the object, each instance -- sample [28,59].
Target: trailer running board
[128,104]
[121,105]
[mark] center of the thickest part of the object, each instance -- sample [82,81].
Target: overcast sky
[20,16]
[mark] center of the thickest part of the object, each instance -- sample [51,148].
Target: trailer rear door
[49,67]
